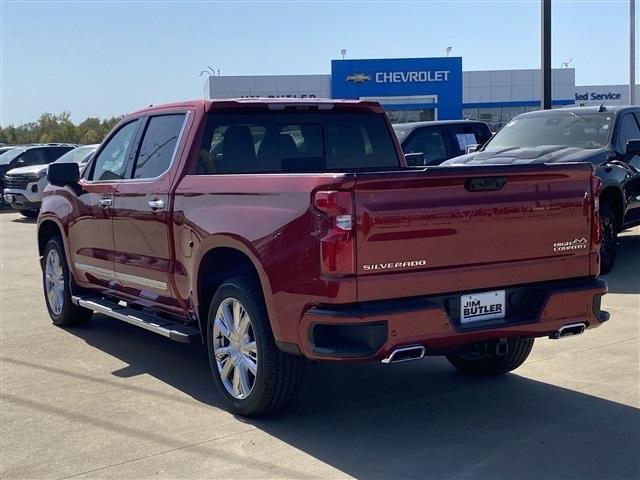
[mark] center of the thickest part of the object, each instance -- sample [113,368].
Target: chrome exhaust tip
[569,330]
[405,354]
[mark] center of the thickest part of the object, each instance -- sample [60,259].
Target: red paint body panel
[469,240]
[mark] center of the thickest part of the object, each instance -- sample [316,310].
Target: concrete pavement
[112,401]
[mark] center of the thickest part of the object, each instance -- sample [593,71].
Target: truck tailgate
[454,229]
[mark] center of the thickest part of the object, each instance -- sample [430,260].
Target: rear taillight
[596,232]
[337,245]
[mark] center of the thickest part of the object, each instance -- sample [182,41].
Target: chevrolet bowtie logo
[358,78]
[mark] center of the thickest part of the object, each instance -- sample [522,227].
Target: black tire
[609,240]
[29,213]
[493,365]
[69,314]
[279,375]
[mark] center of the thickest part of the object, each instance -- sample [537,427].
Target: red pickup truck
[282,231]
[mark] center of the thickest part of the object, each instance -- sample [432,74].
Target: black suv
[431,143]
[25,156]
[608,137]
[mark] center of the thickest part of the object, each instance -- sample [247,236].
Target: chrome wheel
[234,348]
[54,282]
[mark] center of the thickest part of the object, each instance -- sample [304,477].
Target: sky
[99,59]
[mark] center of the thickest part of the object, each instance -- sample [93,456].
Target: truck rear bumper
[371,331]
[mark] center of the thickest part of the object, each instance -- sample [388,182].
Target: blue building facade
[427,87]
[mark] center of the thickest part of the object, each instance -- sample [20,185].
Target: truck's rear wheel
[609,245]
[473,362]
[56,282]
[252,374]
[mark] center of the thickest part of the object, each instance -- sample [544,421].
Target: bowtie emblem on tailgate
[575,244]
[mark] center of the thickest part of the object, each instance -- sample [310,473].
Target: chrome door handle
[156,204]
[105,202]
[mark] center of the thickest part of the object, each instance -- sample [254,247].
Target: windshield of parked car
[77,155]
[7,157]
[566,129]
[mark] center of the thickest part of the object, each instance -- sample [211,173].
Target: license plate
[481,306]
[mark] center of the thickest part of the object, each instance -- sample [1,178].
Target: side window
[53,153]
[34,156]
[158,145]
[628,131]
[464,135]
[430,143]
[111,162]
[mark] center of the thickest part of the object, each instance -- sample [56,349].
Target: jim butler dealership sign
[402,78]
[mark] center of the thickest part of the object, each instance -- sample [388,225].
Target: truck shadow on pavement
[415,420]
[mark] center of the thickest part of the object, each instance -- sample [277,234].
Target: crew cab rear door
[448,229]
[143,252]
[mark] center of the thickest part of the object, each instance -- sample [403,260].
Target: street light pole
[545,70]
[632,52]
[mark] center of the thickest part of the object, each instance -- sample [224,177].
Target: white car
[24,185]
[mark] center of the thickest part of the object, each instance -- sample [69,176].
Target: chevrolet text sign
[402,78]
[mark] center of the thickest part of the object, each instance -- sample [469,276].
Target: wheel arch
[219,260]
[48,228]
[612,195]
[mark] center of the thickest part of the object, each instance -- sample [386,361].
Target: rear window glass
[295,142]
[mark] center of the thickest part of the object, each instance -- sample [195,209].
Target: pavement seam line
[156,454]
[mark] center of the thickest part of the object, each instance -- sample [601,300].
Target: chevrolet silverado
[279,231]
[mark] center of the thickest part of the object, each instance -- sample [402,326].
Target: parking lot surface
[112,401]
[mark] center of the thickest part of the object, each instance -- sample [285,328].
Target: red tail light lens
[596,232]
[337,245]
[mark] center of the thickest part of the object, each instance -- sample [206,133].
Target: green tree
[59,128]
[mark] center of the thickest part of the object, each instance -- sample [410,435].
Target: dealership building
[414,89]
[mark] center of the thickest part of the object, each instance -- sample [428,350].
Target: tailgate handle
[487,184]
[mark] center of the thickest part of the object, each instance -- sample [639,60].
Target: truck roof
[613,109]
[265,103]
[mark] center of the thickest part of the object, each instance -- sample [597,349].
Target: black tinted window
[53,153]
[111,161]
[430,143]
[628,131]
[158,145]
[34,156]
[295,142]
[463,136]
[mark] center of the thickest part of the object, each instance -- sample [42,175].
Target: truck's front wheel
[473,362]
[56,282]
[252,374]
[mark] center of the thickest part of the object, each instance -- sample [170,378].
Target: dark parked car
[607,137]
[438,141]
[26,156]
[277,231]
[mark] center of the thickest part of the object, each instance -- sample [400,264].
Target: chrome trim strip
[145,282]
[122,277]
[97,270]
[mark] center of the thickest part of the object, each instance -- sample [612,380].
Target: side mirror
[473,148]
[63,174]
[633,148]
[414,159]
